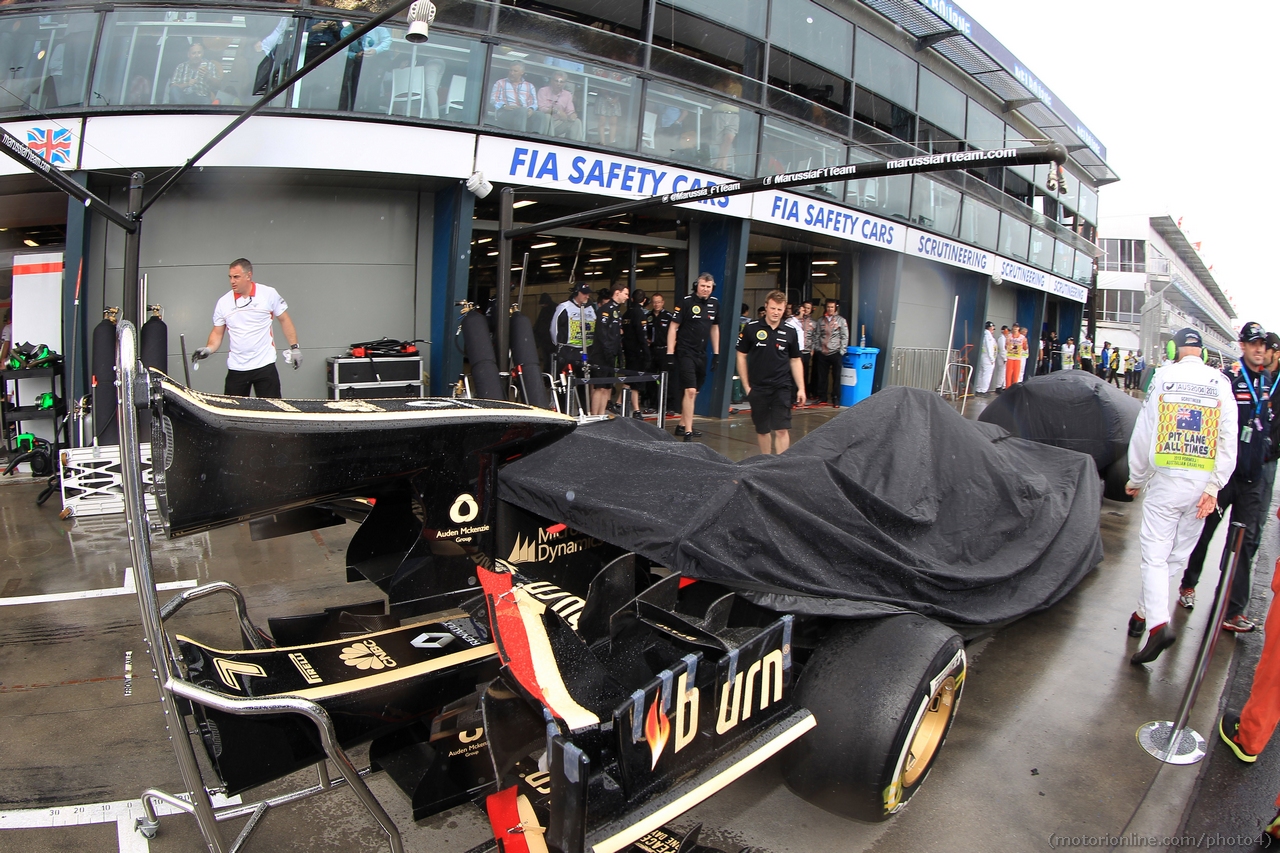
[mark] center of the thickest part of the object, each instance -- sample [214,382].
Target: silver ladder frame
[134,387]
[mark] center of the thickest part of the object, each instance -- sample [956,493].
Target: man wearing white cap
[1182,451]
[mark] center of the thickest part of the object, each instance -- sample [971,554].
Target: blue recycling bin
[857,374]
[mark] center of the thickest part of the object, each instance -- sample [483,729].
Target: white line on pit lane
[127,589]
[124,813]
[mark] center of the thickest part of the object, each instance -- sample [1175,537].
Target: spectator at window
[555,103]
[372,43]
[194,81]
[515,103]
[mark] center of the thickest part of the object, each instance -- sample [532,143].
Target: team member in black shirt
[771,371]
[692,323]
[1243,492]
[606,349]
[659,323]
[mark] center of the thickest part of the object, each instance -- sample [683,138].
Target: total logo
[366,654]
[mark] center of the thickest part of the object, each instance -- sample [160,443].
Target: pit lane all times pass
[1186,433]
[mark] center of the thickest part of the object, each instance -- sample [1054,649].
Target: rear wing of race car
[625,696]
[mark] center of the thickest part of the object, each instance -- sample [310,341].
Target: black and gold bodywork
[687,685]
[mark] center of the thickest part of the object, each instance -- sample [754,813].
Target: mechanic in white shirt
[246,313]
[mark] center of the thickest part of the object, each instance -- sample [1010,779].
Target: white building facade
[1152,282]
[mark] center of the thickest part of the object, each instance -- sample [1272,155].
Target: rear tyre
[1115,478]
[884,693]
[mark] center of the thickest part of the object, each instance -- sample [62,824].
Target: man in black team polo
[1243,492]
[692,322]
[771,371]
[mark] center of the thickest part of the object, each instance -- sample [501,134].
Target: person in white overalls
[1182,451]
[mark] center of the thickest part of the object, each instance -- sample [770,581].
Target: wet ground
[1042,754]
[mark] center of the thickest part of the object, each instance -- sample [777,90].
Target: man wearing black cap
[1182,452]
[1243,492]
[986,359]
[573,328]
[1271,366]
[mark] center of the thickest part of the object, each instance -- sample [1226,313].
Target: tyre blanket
[898,503]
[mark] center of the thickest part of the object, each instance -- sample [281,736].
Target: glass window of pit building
[605,101]
[788,147]
[189,57]
[935,206]
[979,223]
[45,60]
[698,31]
[942,115]
[717,134]
[885,87]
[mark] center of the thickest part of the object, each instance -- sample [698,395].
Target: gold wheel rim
[928,735]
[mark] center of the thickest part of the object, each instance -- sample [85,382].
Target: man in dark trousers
[635,345]
[606,350]
[1243,492]
[771,371]
[694,321]
[659,323]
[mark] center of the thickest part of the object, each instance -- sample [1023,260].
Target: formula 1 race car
[583,662]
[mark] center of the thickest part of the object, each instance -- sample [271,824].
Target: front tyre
[884,693]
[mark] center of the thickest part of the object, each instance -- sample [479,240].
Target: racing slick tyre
[1115,478]
[884,693]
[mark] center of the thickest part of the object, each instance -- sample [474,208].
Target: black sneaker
[1228,730]
[1137,625]
[693,433]
[637,415]
[689,436]
[1159,640]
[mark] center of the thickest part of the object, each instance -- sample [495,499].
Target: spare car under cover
[898,504]
[1076,410]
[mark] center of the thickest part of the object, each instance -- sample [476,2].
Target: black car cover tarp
[898,502]
[1069,408]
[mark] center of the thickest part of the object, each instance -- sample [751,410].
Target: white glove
[201,354]
[293,356]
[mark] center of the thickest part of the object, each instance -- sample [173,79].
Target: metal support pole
[132,383]
[1172,742]
[502,300]
[132,303]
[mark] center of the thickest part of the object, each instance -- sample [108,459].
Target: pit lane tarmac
[1042,753]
